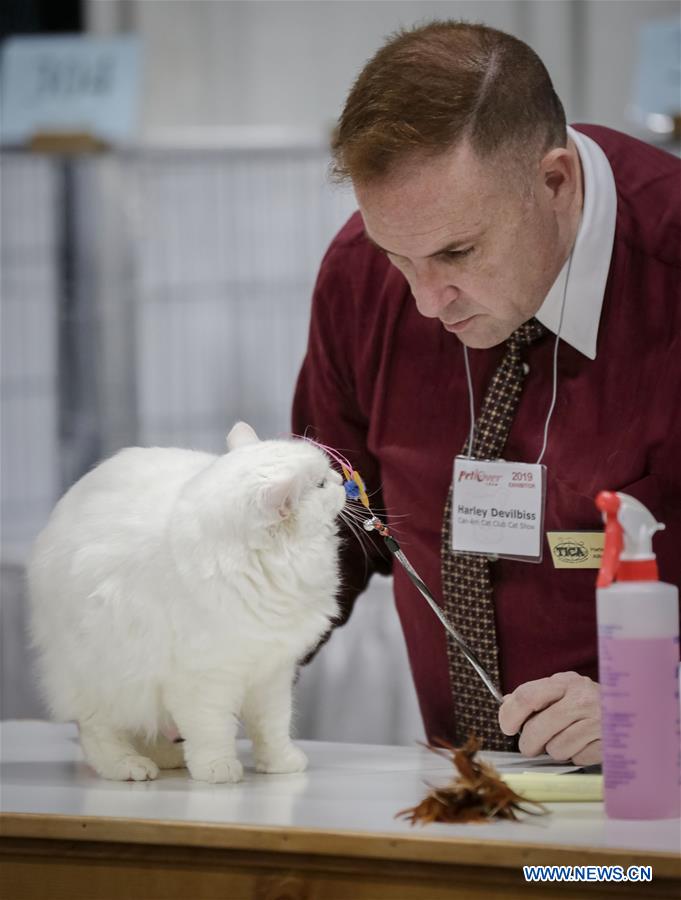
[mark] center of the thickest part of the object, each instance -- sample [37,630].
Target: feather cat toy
[355,490]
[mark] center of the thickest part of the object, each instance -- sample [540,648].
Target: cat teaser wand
[355,490]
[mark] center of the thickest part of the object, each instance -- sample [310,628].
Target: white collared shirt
[590,257]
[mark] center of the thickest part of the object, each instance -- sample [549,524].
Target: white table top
[348,787]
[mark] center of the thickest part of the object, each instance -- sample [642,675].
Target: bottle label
[641,734]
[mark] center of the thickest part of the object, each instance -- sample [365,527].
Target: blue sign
[67,84]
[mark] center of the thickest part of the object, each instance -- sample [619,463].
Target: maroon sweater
[388,387]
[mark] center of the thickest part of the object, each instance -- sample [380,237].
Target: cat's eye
[322,483]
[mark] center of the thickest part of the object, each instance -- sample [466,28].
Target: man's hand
[560,715]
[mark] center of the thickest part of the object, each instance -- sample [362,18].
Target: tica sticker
[576,549]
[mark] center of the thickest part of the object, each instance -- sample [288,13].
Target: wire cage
[150,297]
[154,297]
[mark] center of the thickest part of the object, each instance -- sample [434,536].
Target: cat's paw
[217,771]
[128,768]
[288,759]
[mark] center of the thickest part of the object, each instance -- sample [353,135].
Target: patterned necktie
[467,578]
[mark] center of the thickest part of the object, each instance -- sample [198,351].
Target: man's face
[479,253]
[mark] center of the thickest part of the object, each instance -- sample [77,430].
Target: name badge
[498,508]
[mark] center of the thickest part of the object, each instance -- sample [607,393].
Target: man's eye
[457,254]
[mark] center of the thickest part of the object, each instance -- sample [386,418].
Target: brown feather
[477,793]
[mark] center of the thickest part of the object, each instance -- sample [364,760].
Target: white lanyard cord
[471,404]
[552,406]
[555,360]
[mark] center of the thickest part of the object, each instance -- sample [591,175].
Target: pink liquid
[641,738]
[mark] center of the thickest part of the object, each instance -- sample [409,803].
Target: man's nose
[433,293]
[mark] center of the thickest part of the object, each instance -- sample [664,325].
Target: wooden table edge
[418,848]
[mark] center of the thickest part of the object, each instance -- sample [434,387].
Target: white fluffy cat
[178,587]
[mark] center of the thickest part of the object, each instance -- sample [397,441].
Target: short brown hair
[431,86]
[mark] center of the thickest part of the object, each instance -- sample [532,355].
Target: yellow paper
[544,787]
[576,549]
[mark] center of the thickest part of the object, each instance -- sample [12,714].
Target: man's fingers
[541,728]
[559,715]
[590,755]
[529,698]
[573,741]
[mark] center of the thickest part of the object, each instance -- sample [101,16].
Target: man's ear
[560,175]
[279,497]
[241,435]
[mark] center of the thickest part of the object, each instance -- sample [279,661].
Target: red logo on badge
[479,476]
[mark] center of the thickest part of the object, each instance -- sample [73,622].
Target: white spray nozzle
[638,527]
[629,529]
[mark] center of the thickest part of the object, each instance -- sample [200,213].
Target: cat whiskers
[360,514]
[354,519]
[353,525]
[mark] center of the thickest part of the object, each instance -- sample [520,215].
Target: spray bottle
[638,652]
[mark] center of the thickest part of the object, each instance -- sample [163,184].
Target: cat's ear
[279,497]
[241,435]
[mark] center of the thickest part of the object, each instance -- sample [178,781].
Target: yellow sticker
[576,549]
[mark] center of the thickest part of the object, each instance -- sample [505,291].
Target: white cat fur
[178,587]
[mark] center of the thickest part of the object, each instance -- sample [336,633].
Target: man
[479,213]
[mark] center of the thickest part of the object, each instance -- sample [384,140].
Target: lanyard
[552,405]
